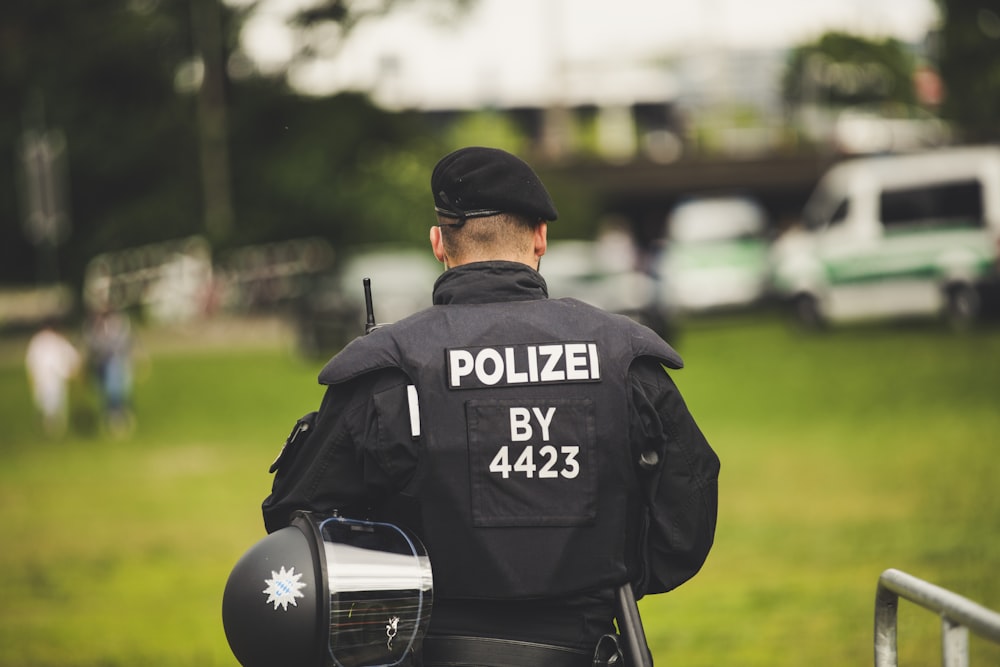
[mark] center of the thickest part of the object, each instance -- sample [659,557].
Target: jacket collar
[489,282]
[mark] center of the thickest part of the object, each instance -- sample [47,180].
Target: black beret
[475,182]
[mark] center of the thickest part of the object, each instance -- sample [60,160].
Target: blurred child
[109,351]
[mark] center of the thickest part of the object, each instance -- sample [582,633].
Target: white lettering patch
[510,365]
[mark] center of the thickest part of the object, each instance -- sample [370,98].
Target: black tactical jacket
[505,429]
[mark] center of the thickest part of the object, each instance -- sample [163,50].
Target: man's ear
[541,239]
[437,244]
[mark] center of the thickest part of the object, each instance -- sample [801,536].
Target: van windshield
[824,208]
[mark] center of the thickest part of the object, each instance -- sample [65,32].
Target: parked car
[715,254]
[896,235]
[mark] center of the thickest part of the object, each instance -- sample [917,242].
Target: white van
[895,235]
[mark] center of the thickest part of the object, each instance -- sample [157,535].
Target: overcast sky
[513,48]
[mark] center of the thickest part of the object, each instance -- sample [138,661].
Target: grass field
[843,455]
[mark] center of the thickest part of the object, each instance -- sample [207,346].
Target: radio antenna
[369,310]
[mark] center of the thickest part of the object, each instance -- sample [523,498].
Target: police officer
[537,446]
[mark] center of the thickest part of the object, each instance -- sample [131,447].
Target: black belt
[452,651]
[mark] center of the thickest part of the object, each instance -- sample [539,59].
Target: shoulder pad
[362,355]
[646,343]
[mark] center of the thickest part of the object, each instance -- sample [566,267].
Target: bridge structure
[643,192]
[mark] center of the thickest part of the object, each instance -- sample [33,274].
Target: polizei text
[507,365]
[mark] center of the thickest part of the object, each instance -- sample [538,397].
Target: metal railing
[958,614]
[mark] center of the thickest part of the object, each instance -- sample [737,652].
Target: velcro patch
[533,462]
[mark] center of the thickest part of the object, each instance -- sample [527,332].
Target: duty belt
[452,651]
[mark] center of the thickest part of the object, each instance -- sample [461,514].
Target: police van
[715,255]
[896,236]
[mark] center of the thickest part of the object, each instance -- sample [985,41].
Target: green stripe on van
[874,269]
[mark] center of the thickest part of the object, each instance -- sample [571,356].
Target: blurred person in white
[51,361]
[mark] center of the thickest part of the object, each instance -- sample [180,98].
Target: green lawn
[843,455]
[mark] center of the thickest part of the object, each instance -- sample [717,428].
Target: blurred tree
[840,70]
[122,81]
[489,127]
[324,24]
[209,51]
[969,61]
[339,166]
[336,167]
[102,73]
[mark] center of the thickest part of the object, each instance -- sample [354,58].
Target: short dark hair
[486,235]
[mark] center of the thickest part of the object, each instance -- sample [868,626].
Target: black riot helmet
[329,592]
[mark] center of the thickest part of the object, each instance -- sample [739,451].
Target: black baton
[630,625]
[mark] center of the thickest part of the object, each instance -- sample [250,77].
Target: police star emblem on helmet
[284,587]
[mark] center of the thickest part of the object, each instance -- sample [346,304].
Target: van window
[957,204]
[839,213]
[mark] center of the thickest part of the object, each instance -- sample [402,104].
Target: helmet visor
[380,588]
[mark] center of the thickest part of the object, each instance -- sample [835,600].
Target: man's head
[490,206]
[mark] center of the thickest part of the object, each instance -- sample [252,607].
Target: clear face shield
[329,592]
[379,590]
